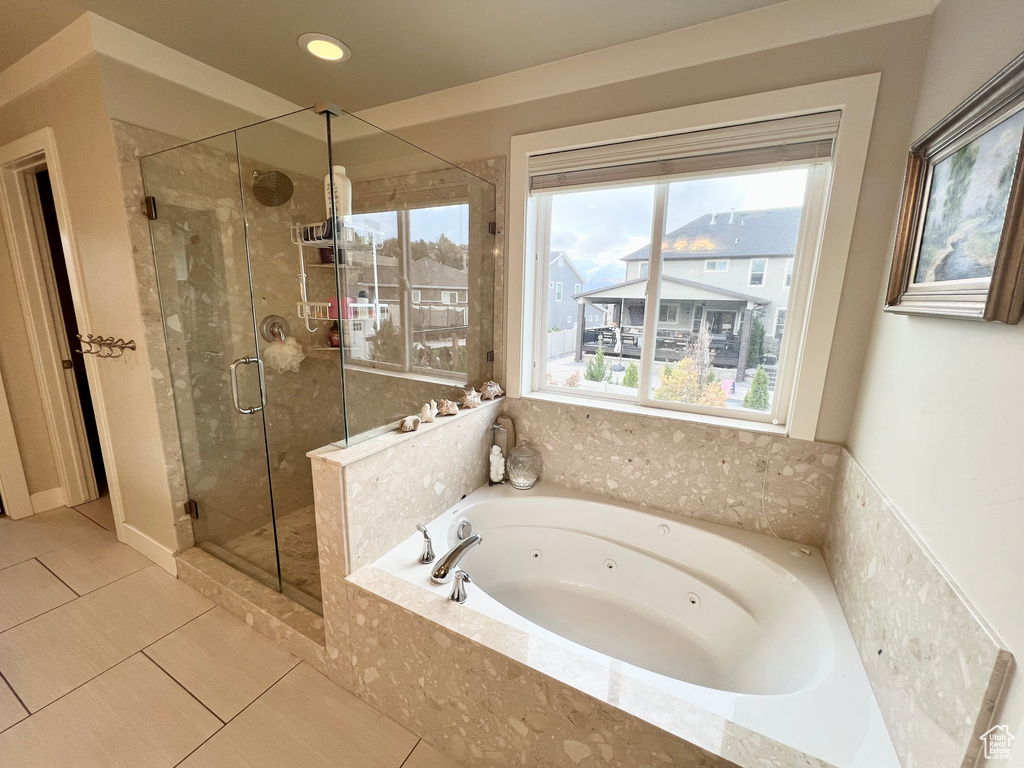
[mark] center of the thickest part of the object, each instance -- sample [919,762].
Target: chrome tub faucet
[444,571]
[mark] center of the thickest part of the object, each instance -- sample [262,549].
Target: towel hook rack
[104,346]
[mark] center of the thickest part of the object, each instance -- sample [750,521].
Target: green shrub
[597,368]
[631,378]
[756,348]
[757,396]
[387,343]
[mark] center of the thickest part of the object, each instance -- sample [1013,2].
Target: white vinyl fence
[561,343]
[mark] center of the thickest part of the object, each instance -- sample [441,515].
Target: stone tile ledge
[267,611]
[342,457]
[722,742]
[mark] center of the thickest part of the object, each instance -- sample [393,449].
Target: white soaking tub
[742,625]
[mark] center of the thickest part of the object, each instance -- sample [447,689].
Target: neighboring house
[565,281]
[720,268]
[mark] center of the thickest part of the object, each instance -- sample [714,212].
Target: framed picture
[960,238]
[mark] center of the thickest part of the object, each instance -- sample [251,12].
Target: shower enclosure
[291,323]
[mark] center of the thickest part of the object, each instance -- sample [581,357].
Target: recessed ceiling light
[324,46]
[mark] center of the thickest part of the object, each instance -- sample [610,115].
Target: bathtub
[738,624]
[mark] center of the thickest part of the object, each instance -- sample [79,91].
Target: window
[788,281]
[449,297]
[780,321]
[687,355]
[757,270]
[576,289]
[417,297]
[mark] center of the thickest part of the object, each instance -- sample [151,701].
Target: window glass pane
[788,281]
[718,338]
[598,240]
[439,274]
[371,319]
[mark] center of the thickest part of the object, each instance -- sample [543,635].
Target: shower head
[272,188]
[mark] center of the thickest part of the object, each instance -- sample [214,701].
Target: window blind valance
[770,142]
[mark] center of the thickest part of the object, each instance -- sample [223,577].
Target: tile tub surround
[273,615]
[683,468]
[486,694]
[413,476]
[936,669]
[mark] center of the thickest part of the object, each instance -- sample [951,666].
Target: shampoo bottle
[342,193]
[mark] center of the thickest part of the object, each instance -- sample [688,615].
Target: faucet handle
[459,589]
[428,548]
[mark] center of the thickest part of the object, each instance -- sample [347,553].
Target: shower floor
[296,537]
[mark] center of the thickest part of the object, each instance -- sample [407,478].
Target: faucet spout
[446,568]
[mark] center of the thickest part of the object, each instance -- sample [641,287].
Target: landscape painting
[966,207]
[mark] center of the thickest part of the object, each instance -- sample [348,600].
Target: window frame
[559,291]
[855,98]
[775,325]
[763,272]
[787,277]
[454,296]
[716,261]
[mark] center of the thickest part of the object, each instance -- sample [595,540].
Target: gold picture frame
[959,248]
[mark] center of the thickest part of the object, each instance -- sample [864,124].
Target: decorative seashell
[491,391]
[410,423]
[447,408]
[471,399]
[428,412]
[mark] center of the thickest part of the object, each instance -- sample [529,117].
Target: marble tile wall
[680,467]
[936,669]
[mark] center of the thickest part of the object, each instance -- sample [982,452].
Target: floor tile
[425,756]
[92,563]
[30,536]
[50,655]
[222,661]
[133,716]
[99,511]
[27,590]
[306,720]
[11,710]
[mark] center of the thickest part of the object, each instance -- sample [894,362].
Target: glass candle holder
[523,466]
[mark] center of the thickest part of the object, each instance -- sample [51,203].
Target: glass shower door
[206,296]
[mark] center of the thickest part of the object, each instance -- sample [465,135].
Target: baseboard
[44,501]
[154,550]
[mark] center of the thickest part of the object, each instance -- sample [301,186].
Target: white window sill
[660,413]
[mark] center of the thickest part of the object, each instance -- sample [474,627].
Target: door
[214,368]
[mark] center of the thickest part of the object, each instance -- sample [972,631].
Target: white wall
[72,104]
[939,422]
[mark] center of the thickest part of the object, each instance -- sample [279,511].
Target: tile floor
[106,660]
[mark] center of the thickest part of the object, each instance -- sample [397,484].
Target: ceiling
[401,48]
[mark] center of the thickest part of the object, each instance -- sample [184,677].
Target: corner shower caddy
[354,239]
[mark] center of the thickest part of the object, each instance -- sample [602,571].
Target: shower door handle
[234,385]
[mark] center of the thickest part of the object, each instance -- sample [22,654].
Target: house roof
[423,273]
[672,288]
[569,262]
[730,235]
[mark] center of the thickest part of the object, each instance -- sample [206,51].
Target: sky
[598,227]
[424,223]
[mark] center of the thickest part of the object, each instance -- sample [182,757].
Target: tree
[682,384]
[387,343]
[631,378]
[597,368]
[756,348]
[757,396]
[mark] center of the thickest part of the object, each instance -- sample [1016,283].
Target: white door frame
[73,463]
[13,485]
